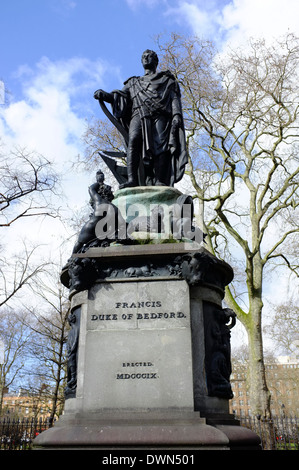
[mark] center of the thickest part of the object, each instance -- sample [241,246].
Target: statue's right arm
[103,95]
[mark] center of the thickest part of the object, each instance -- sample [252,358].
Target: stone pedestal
[137,348]
[148,353]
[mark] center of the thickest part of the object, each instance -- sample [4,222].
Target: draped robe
[156,99]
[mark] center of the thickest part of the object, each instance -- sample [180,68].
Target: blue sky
[55,53]
[115,32]
[107,30]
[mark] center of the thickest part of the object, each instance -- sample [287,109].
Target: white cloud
[237,20]
[2,93]
[243,19]
[50,120]
[201,16]
[199,19]
[134,4]
[45,124]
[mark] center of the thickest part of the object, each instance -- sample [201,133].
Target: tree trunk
[252,322]
[258,390]
[55,399]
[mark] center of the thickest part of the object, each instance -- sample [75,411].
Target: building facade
[22,405]
[282,380]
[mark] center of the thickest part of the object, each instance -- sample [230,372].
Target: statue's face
[100,177]
[149,60]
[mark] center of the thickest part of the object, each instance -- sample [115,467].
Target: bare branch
[27,181]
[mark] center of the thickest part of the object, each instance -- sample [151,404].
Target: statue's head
[100,176]
[149,59]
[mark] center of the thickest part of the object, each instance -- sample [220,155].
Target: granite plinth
[137,346]
[141,361]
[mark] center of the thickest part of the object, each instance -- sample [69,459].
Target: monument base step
[129,433]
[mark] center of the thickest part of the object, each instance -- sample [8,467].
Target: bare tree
[242,113]
[27,180]
[100,135]
[283,327]
[27,183]
[241,119]
[48,323]
[15,337]
[17,270]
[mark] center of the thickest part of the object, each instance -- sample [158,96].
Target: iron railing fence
[18,434]
[277,433]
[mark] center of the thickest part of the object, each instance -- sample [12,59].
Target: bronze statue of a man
[149,108]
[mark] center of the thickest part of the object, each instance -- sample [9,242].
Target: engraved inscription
[139,345]
[149,375]
[142,304]
[137,375]
[137,315]
[139,306]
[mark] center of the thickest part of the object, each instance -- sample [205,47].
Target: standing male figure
[149,108]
